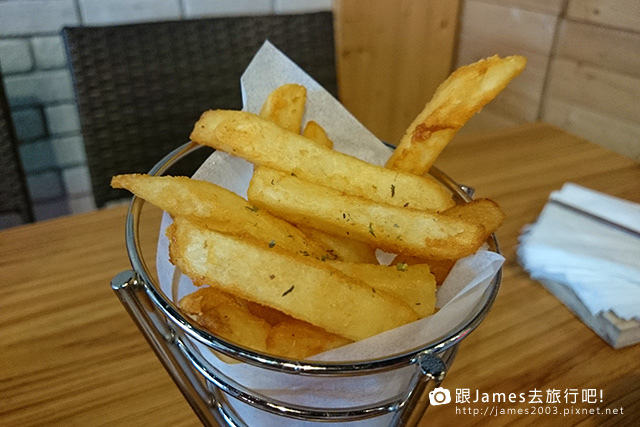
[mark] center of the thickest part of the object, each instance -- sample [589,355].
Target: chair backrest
[141,87]
[15,202]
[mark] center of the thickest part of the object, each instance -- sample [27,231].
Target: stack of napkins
[585,248]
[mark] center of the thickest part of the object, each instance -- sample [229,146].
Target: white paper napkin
[590,242]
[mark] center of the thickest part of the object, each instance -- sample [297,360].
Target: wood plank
[507,28]
[601,47]
[548,7]
[610,93]
[623,14]
[68,343]
[621,136]
[391,57]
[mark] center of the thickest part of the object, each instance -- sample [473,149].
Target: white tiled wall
[200,8]
[40,90]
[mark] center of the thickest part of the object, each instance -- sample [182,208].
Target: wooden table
[70,355]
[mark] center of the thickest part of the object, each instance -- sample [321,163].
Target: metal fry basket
[220,399]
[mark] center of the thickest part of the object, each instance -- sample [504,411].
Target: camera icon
[439,396]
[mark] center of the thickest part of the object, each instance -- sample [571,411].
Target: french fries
[456,100]
[415,285]
[227,316]
[302,287]
[292,271]
[481,211]
[219,209]
[390,228]
[343,248]
[440,268]
[285,106]
[317,134]
[264,143]
[257,327]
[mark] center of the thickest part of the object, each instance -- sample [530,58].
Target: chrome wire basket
[215,397]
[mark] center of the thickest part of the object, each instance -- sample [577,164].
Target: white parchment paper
[457,297]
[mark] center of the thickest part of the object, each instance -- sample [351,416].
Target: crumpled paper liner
[457,297]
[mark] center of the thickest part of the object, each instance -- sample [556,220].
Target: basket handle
[134,298]
[431,370]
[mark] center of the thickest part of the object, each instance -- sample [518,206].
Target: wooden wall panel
[508,27]
[607,48]
[392,55]
[583,73]
[595,88]
[613,133]
[624,14]
[548,7]
[594,85]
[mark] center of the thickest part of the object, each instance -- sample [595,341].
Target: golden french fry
[440,268]
[413,284]
[344,249]
[266,144]
[485,212]
[228,316]
[299,340]
[219,209]
[302,287]
[390,228]
[285,106]
[257,327]
[456,100]
[317,134]
[294,338]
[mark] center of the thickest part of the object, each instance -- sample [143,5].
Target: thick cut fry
[266,144]
[485,212]
[219,209]
[390,228]
[317,134]
[439,267]
[228,316]
[299,340]
[285,106]
[413,284]
[455,101]
[302,287]
[257,327]
[481,211]
[344,249]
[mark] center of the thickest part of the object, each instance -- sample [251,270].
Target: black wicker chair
[15,202]
[140,88]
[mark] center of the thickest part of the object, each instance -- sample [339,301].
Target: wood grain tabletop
[70,354]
